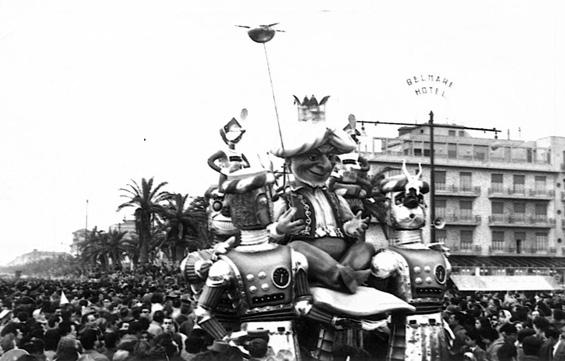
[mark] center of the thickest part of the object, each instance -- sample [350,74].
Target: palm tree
[117,246]
[92,249]
[178,223]
[147,201]
[197,211]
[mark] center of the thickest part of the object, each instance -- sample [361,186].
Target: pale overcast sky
[94,93]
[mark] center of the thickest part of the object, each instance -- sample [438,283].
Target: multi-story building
[502,200]
[79,236]
[127,225]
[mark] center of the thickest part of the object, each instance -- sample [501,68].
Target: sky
[96,93]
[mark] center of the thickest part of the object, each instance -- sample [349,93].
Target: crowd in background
[149,316]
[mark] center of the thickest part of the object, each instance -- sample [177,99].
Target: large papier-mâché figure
[412,271]
[262,287]
[266,283]
[311,218]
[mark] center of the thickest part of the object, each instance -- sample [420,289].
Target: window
[466,239]
[498,240]
[451,133]
[519,211]
[540,184]
[451,150]
[480,152]
[496,182]
[541,212]
[440,208]
[465,181]
[441,235]
[466,209]
[519,181]
[541,241]
[465,151]
[497,207]
[519,238]
[439,180]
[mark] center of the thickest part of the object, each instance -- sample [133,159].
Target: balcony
[524,251]
[416,149]
[466,249]
[443,189]
[521,193]
[461,219]
[521,220]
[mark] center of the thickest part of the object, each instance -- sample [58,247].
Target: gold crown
[310,110]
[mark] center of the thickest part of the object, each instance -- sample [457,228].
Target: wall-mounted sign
[429,84]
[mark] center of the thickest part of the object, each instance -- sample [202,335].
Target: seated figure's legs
[326,270]
[358,256]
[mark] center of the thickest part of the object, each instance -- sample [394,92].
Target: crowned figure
[311,218]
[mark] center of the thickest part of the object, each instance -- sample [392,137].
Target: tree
[147,200]
[185,224]
[92,249]
[198,215]
[117,246]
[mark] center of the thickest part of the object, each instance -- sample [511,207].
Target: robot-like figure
[412,271]
[266,283]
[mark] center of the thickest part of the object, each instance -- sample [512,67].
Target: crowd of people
[150,316]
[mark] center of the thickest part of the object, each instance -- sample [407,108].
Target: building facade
[502,201]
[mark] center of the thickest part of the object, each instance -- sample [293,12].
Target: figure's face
[402,217]
[313,168]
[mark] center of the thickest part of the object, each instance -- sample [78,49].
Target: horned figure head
[405,206]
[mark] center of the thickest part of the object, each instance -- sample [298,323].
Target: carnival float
[292,275]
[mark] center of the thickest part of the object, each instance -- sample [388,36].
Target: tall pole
[86,221]
[432,181]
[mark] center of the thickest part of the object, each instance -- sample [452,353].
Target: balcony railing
[521,192]
[444,189]
[523,250]
[402,147]
[459,218]
[519,219]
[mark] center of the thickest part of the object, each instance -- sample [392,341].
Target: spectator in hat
[221,350]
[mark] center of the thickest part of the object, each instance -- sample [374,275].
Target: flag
[64,299]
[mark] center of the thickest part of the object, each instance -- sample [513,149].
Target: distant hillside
[33,256]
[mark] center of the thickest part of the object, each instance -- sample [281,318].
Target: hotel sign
[429,84]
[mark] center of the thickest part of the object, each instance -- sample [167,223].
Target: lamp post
[432,180]
[431,125]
